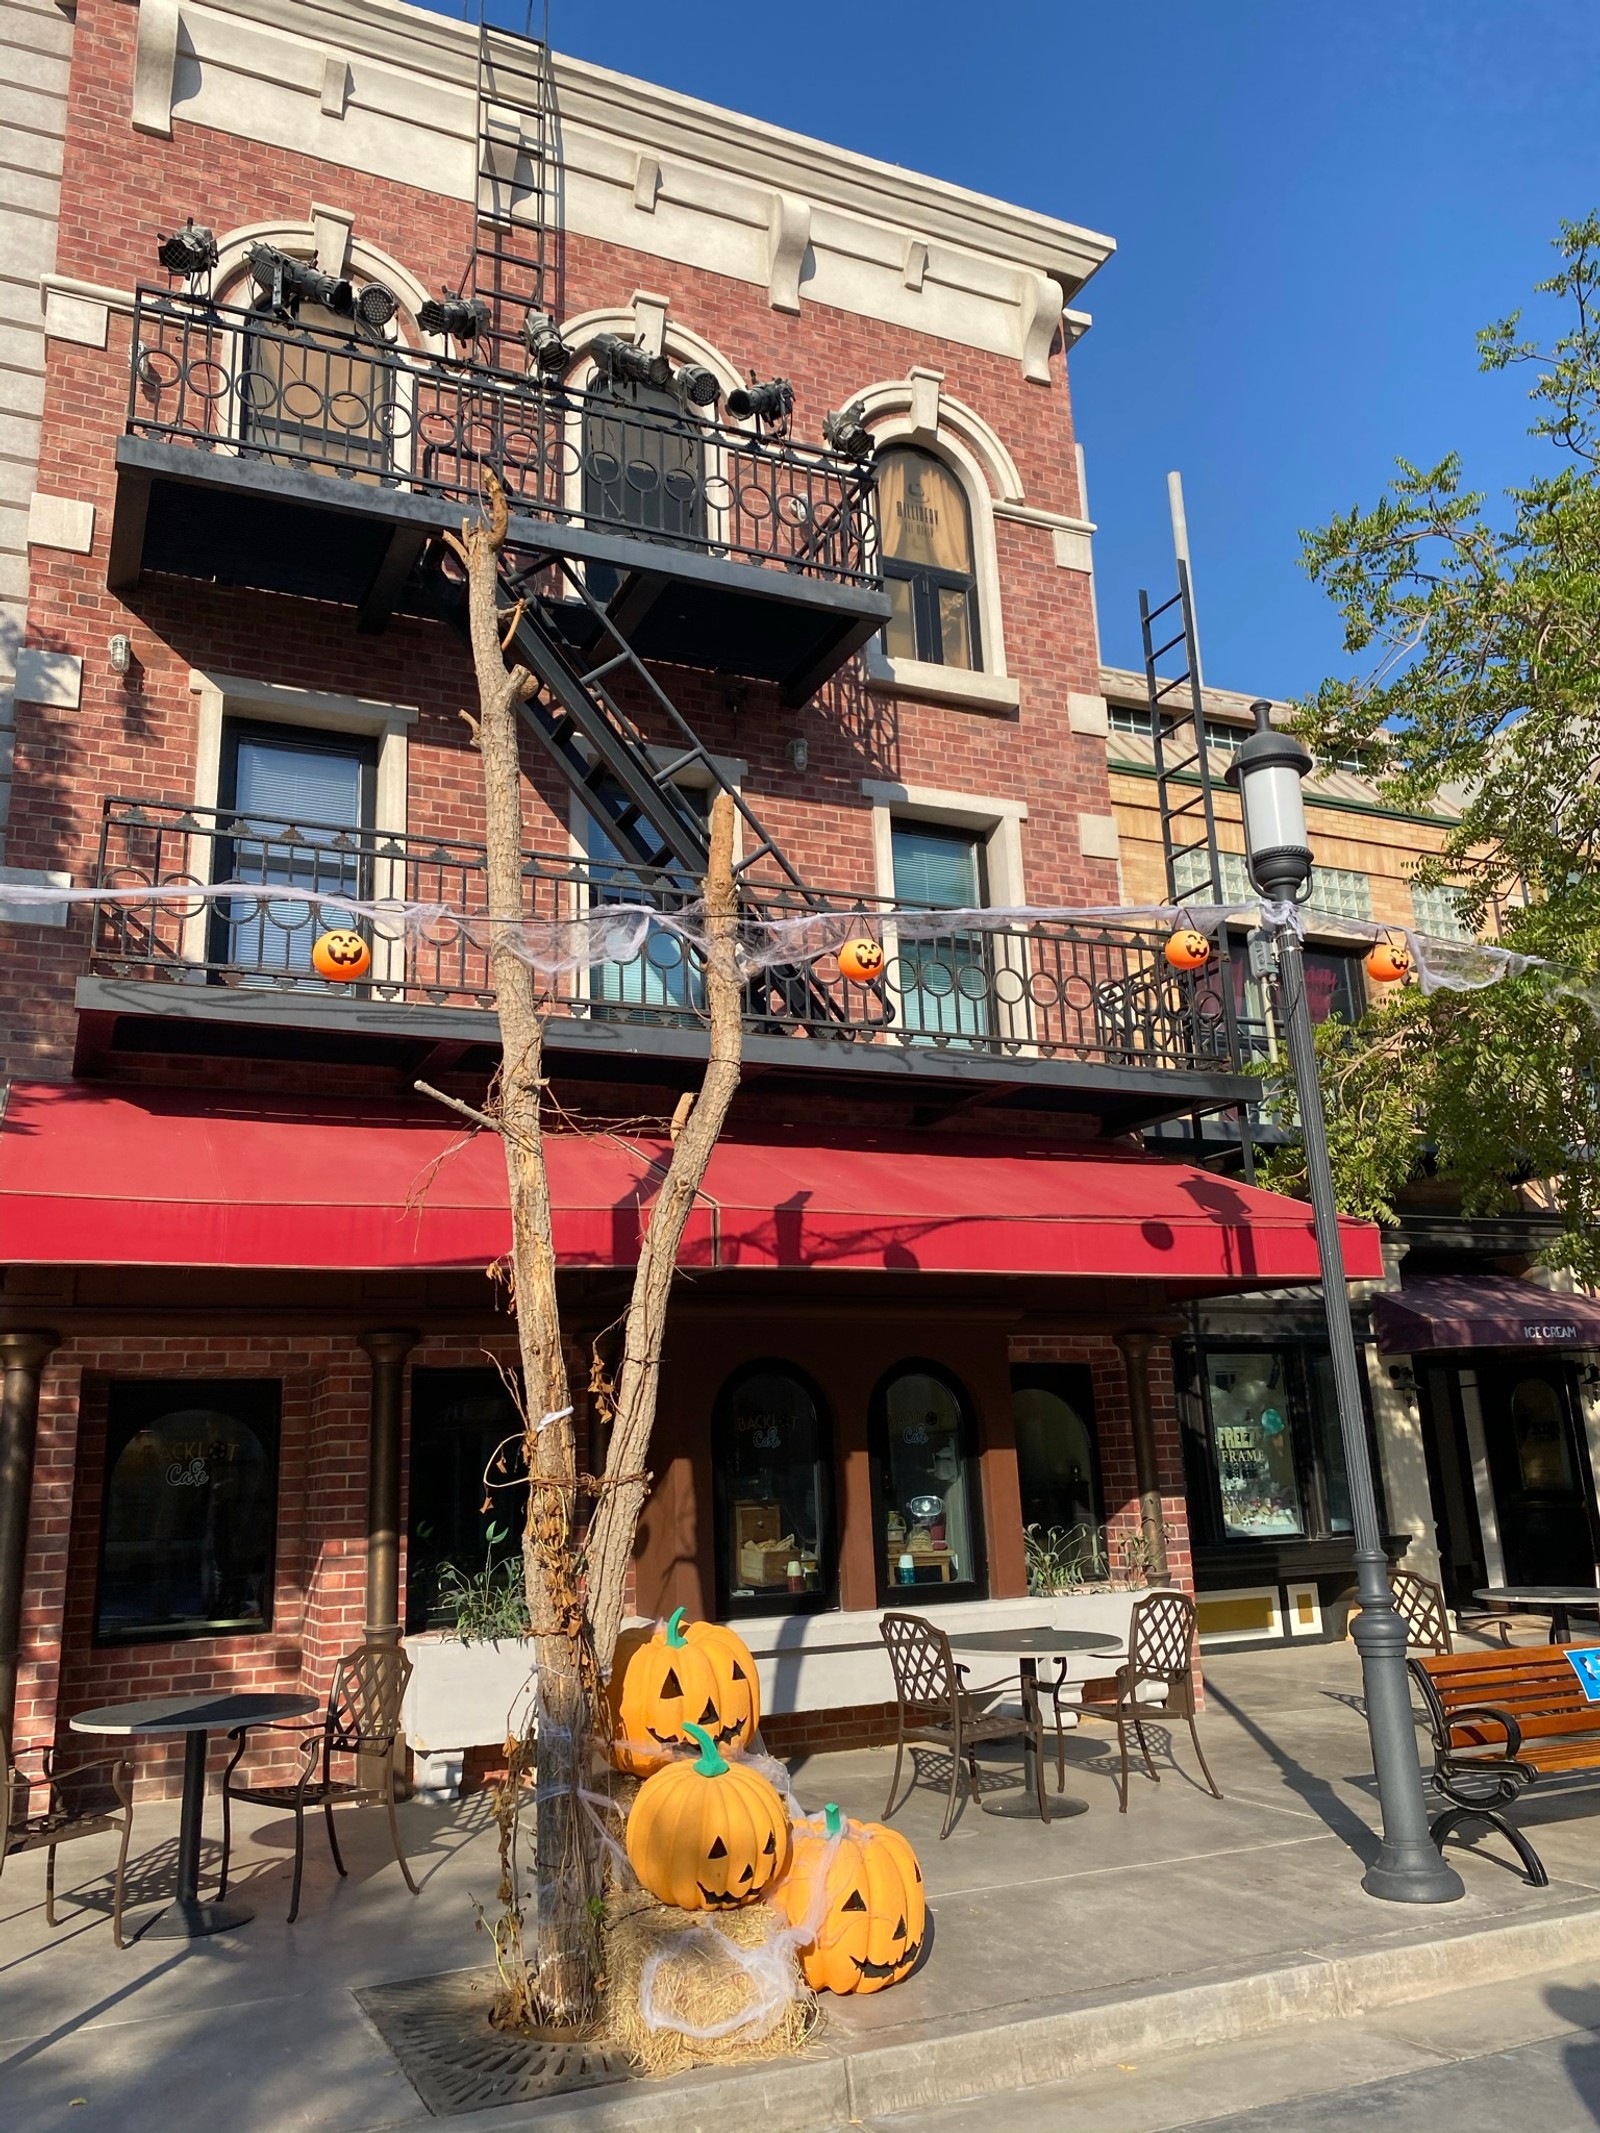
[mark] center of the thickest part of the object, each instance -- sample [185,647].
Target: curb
[829,2089]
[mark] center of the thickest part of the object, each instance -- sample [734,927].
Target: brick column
[1135,1345]
[388,1350]
[22,1358]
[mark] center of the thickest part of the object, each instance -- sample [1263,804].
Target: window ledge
[940,684]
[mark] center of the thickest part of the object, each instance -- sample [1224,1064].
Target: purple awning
[1481,1311]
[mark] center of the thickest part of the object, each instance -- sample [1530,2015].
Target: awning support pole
[1135,1347]
[388,1350]
[22,1358]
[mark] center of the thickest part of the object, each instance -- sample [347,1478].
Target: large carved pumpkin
[872,1912]
[701,1674]
[708,1834]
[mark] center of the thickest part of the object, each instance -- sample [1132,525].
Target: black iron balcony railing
[1050,989]
[230,380]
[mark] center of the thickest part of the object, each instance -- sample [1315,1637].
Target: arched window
[772,1453]
[317,392]
[927,560]
[642,463]
[1058,1468]
[925,1485]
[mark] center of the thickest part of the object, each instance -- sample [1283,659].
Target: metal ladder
[1184,790]
[516,259]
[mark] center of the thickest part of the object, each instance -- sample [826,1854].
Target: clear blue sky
[1315,202]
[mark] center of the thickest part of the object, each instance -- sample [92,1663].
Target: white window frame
[916,412]
[220,697]
[999,825]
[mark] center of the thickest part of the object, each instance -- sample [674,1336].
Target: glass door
[1543,1492]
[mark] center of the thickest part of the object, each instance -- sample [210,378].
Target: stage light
[621,363]
[771,403]
[376,304]
[696,386]
[547,351]
[191,251]
[844,432]
[289,283]
[463,318]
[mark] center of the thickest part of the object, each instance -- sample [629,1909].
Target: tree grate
[438,2029]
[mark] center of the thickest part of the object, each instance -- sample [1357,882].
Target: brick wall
[319,1581]
[135,734]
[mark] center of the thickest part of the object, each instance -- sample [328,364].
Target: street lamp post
[1268,772]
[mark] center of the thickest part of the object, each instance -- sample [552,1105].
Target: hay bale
[704,1974]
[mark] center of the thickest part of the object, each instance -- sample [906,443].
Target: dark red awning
[1481,1311]
[96,1176]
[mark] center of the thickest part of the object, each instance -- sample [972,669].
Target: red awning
[1481,1311]
[97,1176]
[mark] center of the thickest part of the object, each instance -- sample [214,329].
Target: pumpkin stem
[710,1763]
[833,1820]
[676,1640]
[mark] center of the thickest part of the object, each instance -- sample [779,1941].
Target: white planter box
[825,1661]
[460,1696]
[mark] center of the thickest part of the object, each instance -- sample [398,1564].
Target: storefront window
[1263,1450]
[925,1455]
[190,1515]
[468,1503]
[774,1525]
[1254,1446]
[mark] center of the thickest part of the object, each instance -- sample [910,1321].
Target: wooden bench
[1500,1719]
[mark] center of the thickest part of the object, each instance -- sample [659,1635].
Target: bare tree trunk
[574,1628]
[625,1483]
[561,1970]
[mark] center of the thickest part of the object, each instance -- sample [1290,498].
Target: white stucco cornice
[390,90]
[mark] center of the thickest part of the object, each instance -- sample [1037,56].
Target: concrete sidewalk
[1054,1951]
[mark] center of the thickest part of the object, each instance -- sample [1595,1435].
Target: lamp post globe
[1268,773]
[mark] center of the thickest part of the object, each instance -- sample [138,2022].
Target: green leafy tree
[1476,633]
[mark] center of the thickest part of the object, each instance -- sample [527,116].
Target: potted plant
[469,1669]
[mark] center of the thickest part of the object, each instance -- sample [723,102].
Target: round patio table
[186,1917]
[1554,1600]
[1028,1645]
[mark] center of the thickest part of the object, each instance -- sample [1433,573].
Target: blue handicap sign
[1585,1664]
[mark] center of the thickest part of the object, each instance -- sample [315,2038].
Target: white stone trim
[1098,837]
[64,522]
[388,89]
[69,316]
[927,680]
[155,67]
[1088,715]
[916,410]
[266,702]
[54,679]
[999,822]
[31,914]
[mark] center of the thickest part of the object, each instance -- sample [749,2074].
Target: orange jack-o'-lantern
[709,1834]
[1389,960]
[341,954]
[869,1913]
[1187,949]
[699,1674]
[861,960]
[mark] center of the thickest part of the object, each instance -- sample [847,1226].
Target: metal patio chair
[70,1810]
[1419,1603]
[363,1720]
[934,1706]
[1161,1642]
